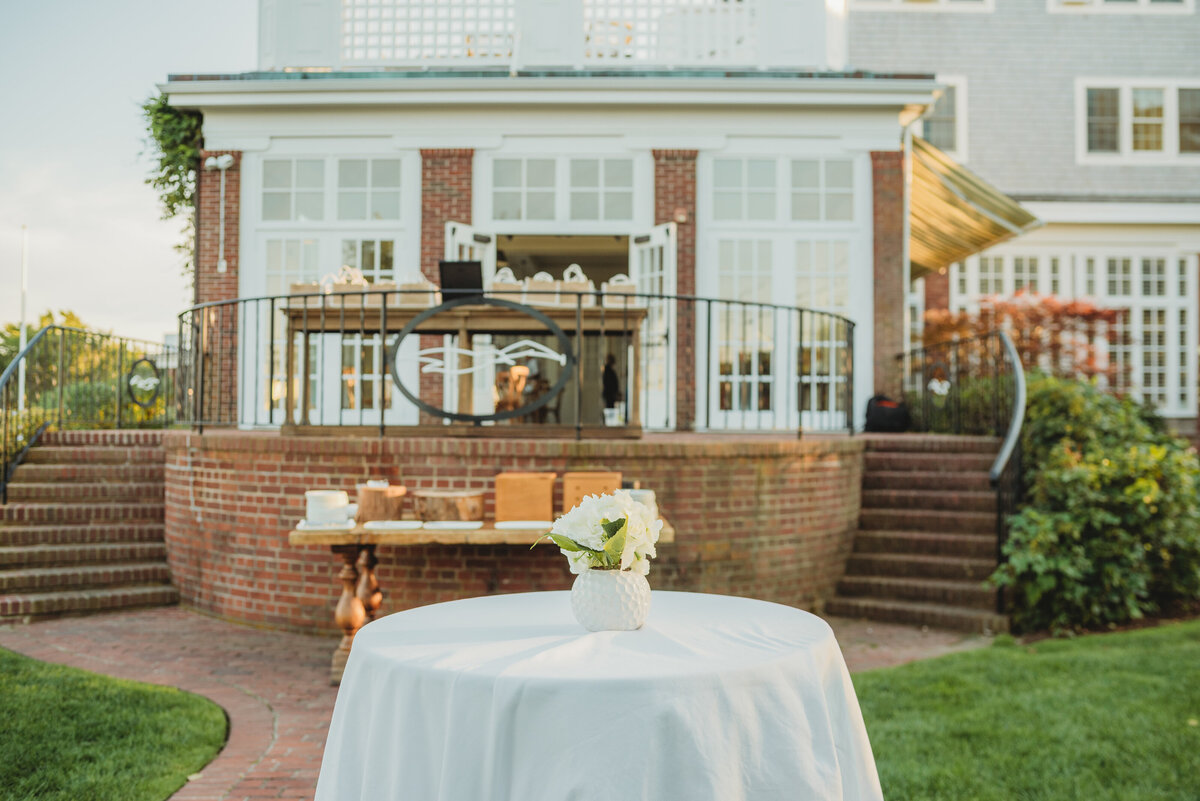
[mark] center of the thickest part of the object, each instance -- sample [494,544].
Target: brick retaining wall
[771,518]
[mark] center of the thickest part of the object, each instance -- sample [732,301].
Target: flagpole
[21,335]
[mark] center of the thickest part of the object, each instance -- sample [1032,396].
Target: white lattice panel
[412,31]
[670,31]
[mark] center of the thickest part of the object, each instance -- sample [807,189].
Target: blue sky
[73,74]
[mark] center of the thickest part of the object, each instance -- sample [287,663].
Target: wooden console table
[361,596]
[464,322]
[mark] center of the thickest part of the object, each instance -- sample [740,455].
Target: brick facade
[217,330]
[887,181]
[446,177]
[675,197]
[937,291]
[769,518]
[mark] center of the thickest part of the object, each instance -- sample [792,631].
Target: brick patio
[274,685]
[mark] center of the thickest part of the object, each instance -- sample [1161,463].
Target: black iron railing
[77,379]
[569,359]
[974,386]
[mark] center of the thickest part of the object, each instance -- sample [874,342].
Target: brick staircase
[83,527]
[927,535]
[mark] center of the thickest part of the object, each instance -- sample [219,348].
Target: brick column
[445,196]
[675,199]
[937,290]
[887,174]
[220,323]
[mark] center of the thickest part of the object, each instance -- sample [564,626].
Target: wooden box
[577,485]
[525,496]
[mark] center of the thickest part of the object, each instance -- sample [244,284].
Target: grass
[1105,717]
[70,735]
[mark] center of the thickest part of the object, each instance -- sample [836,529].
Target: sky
[73,75]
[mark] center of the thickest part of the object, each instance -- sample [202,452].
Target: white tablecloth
[507,698]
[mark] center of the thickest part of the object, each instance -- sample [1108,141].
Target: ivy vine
[175,140]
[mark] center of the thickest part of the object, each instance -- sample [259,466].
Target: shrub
[1111,529]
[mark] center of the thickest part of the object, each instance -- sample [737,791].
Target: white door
[467,243]
[652,268]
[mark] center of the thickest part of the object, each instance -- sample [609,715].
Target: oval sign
[144,382]
[433,360]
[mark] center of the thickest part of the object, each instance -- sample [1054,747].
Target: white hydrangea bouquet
[609,541]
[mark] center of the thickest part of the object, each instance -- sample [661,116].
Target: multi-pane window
[601,189]
[1056,283]
[291,261]
[363,374]
[368,189]
[1025,274]
[1119,6]
[745,334]
[744,189]
[523,189]
[823,189]
[991,275]
[1103,120]
[293,189]
[823,274]
[1139,120]
[941,124]
[375,257]
[1120,277]
[1189,120]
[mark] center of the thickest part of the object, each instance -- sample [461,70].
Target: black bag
[885,415]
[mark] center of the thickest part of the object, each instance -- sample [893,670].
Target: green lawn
[70,735]
[1114,716]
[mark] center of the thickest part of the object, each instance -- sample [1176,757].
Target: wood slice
[525,496]
[381,503]
[435,505]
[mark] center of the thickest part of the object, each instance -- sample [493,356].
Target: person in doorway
[612,385]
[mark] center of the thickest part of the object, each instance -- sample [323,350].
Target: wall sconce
[222,163]
[680,215]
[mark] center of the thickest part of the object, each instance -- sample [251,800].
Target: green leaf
[611,527]
[615,545]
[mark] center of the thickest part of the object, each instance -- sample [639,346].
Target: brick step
[27,606]
[927,499]
[934,522]
[919,566]
[88,473]
[936,443]
[81,454]
[83,492]
[919,614]
[928,462]
[965,546]
[18,535]
[969,594]
[78,577]
[21,556]
[925,479]
[78,513]
[104,438]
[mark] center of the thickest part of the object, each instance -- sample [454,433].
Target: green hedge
[1111,527]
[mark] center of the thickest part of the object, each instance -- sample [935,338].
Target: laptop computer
[461,279]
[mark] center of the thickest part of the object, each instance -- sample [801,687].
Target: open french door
[652,258]
[467,243]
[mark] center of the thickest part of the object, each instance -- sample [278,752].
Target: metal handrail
[1012,437]
[7,375]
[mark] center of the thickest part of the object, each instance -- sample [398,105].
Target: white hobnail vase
[610,600]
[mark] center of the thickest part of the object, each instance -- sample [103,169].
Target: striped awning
[954,213]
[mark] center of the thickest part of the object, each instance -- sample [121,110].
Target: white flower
[584,525]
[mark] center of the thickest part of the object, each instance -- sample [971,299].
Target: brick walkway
[274,685]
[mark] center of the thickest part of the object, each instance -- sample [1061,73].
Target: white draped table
[507,698]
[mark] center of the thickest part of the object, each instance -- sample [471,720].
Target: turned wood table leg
[368,586]
[350,614]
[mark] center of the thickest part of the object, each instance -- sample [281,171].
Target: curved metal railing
[76,378]
[675,361]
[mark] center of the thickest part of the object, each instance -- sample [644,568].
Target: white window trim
[959,82]
[948,6]
[1130,7]
[1125,154]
